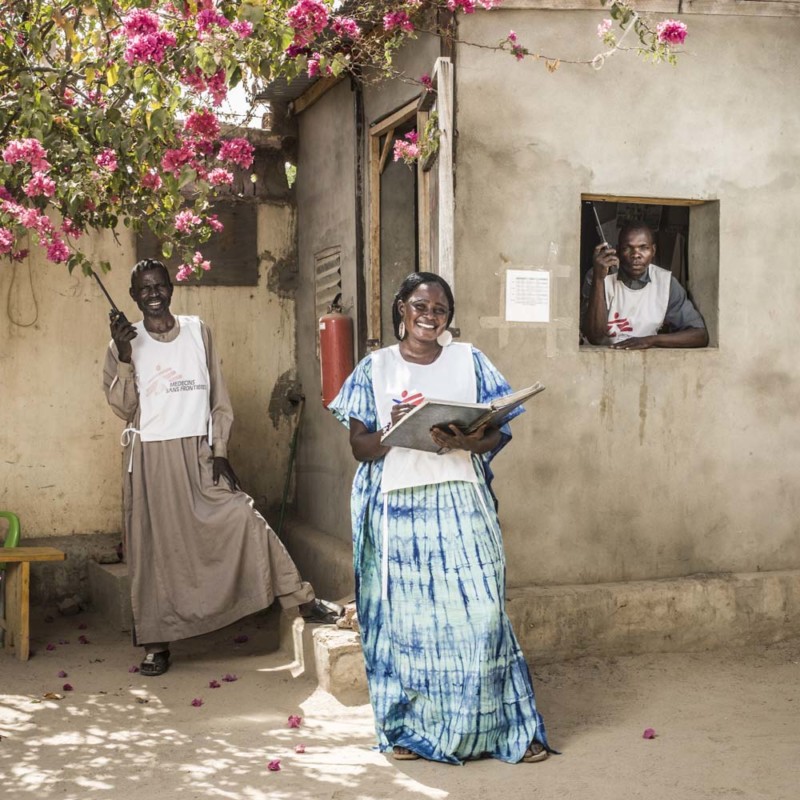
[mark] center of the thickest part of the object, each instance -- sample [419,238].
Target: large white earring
[445,338]
[401,330]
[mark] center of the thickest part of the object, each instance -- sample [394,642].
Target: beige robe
[199,556]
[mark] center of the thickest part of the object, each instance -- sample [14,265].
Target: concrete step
[328,655]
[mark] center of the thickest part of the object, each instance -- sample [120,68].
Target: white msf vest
[450,377]
[637,312]
[173,383]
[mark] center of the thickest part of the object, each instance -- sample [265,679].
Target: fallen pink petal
[649,733]
[229,678]
[83,626]
[67,687]
[274,766]
[62,674]
[50,646]
[299,748]
[63,641]
[134,668]
[197,702]
[214,684]
[294,721]
[241,638]
[83,640]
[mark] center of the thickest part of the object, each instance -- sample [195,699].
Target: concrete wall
[61,459]
[654,464]
[326,219]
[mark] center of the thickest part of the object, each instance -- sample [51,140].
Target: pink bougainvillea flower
[346,27]
[237,151]
[50,646]
[467,6]
[603,28]
[29,150]
[186,220]
[294,721]
[133,668]
[151,180]
[241,638]
[228,678]
[214,684]
[215,226]
[83,640]
[40,185]
[243,28]
[197,702]
[671,32]
[140,22]
[67,687]
[69,228]
[274,765]
[149,47]
[106,159]
[649,733]
[58,253]
[203,124]
[308,18]
[209,17]
[62,674]
[426,81]
[220,177]
[299,748]
[397,20]
[184,273]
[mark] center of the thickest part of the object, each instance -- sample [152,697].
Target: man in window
[631,304]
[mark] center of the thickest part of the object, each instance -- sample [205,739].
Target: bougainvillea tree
[110,109]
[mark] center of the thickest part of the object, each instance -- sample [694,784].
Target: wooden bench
[17,582]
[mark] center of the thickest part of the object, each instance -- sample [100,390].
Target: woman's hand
[481,441]
[399,410]
[221,468]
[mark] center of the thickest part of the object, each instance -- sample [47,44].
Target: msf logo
[618,324]
[160,382]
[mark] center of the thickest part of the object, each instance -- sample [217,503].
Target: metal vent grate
[327,278]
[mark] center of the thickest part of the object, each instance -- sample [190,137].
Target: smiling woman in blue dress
[447,679]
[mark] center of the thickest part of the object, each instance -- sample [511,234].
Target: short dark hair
[147,264]
[630,227]
[407,287]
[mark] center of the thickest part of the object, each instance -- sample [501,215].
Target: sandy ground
[726,722]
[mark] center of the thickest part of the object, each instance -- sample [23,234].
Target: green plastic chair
[12,540]
[12,537]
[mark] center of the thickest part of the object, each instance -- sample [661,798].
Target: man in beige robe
[199,555]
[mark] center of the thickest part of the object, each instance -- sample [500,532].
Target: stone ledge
[698,612]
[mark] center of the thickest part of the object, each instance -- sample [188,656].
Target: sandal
[323,612]
[404,754]
[534,753]
[155,664]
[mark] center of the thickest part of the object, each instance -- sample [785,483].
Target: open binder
[414,429]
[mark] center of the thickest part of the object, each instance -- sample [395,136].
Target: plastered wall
[637,465]
[59,441]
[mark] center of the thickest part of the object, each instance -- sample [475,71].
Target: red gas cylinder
[335,350]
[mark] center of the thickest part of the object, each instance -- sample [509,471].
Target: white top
[395,380]
[637,312]
[173,383]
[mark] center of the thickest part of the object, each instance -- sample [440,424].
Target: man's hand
[123,333]
[604,261]
[636,343]
[222,467]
